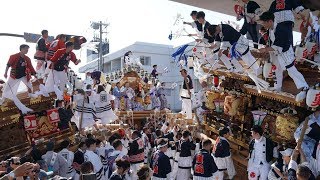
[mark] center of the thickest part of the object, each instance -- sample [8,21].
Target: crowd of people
[158,150]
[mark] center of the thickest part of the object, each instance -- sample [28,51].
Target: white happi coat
[84,106]
[103,109]
[96,161]
[69,156]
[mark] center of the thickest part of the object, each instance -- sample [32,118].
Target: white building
[150,54]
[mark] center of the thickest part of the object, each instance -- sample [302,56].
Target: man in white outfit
[186,93]
[281,45]
[260,155]
[89,155]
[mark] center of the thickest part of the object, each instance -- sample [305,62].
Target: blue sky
[130,21]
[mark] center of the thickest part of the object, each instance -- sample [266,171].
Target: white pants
[11,90]
[225,163]
[296,76]
[184,173]
[87,120]
[175,166]
[187,108]
[12,86]
[220,175]
[261,170]
[241,47]
[250,61]
[231,64]
[40,68]
[215,176]
[58,78]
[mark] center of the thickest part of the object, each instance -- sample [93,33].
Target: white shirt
[94,159]
[258,155]
[312,119]
[125,143]
[145,139]
[102,99]
[68,155]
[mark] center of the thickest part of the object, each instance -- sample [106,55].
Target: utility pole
[101,27]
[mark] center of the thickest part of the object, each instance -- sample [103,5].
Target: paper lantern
[190,62]
[238,9]
[313,98]
[30,122]
[300,53]
[219,104]
[310,47]
[258,117]
[216,81]
[53,115]
[267,70]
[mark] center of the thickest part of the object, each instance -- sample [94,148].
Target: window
[145,60]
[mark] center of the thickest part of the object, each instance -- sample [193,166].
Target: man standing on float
[251,12]
[41,52]
[281,45]
[60,61]
[21,71]
[186,92]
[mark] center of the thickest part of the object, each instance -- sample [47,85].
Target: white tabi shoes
[31,95]
[302,94]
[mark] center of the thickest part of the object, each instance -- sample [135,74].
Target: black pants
[252,30]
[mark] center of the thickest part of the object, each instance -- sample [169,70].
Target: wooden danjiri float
[239,105]
[18,132]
